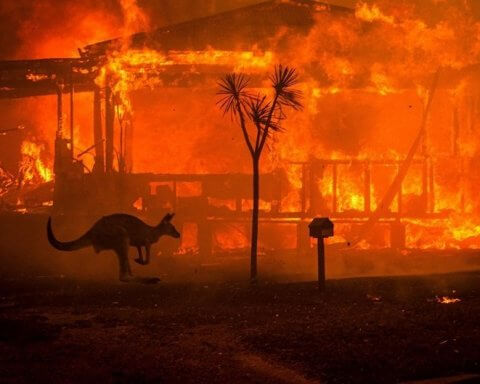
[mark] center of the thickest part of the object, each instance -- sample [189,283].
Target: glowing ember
[374,298]
[138,204]
[36,78]
[447,300]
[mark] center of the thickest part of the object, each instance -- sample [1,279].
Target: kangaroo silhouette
[119,232]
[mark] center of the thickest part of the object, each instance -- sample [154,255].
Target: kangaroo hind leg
[139,259]
[121,250]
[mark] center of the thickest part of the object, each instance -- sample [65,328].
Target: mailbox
[321,228]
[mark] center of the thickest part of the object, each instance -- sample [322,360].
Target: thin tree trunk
[256,196]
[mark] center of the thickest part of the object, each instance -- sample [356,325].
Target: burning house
[386,145]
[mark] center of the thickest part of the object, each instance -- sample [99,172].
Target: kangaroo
[118,232]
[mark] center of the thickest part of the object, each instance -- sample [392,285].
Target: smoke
[135,18]
[50,28]
[174,11]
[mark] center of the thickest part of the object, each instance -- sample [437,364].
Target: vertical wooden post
[431,180]
[304,190]
[321,263]
[175,198]
[425,183]
[72,150]
[97,131]
[321,228]
[129,130]
[313,188]
[400,193]
[59,112]
[205,241]
[334,188]
[58,165]
[367,190]
[109,134]
[121,152]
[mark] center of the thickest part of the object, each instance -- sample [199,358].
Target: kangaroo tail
[80,243]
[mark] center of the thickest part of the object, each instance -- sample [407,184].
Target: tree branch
[267,124]
[259,134]
[244,128]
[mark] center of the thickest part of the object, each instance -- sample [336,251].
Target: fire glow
[131,70]
[366,77]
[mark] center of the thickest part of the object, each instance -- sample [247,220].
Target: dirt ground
[365,330]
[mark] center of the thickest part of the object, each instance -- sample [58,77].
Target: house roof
[239,29]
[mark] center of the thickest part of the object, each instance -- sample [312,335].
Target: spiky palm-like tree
[258,117]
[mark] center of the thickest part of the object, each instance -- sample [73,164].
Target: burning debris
[374,298]
[7,181]
[32,169]
[32,186]
[447,300]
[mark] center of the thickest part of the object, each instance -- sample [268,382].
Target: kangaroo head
[167,228]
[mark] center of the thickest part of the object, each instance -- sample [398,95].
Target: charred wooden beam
[368,186]
[431,187]
[109,132]
[72,122]
[39,90]
[394,188]
[334,188]
[59,112]
[97,132]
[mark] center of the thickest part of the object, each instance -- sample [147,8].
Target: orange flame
[32,167]
[131,69]
[371,13]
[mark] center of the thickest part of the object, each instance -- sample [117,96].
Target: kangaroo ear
[168,217]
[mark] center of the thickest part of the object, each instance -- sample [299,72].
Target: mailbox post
[321,228]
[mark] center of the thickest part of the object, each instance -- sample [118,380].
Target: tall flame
[32,167]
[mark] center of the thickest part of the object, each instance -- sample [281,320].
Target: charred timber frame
[97,132]
[207,216]
[228,186]
[72,122]
[58,76]
[109,129]
[26,78]
[44,77]
[428,191]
